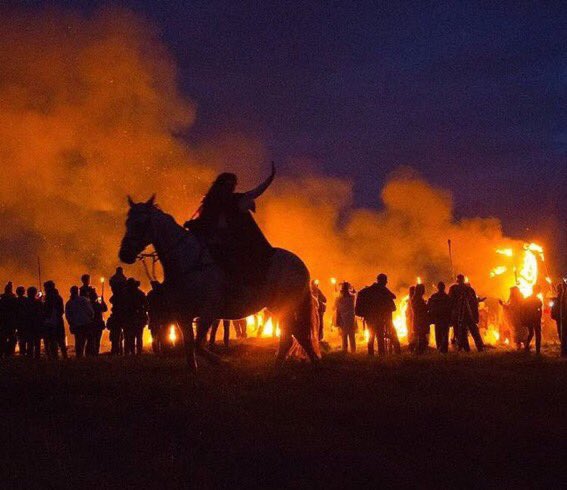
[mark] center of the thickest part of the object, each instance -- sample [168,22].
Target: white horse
[197,288]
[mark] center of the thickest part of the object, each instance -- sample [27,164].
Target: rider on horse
[224,222]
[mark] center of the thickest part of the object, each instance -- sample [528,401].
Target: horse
[197,290]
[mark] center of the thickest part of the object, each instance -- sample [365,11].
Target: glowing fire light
[527,276]
[492,335]
[508,252]
[497,271]
[399,318]
[333,281]
[467,279]
[534,247]
[172,334]
[418,280]
[526,271]
[265,327]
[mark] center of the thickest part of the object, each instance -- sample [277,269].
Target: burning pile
[522,268]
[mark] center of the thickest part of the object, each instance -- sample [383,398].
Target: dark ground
[475,420]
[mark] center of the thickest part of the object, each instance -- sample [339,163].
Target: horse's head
[138,230]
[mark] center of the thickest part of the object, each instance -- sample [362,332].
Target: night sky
[471,95]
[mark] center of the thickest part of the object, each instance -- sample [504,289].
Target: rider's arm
[258,191]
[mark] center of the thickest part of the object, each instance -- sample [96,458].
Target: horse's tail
[307,319]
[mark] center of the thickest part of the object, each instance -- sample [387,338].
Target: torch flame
[172,334]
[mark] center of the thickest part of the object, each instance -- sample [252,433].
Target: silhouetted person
[86,290]
[99,308]
[118,280]
[344,317]
[515,313]
[23,335]
[53,311]
[439,309]
[533,307]
[135,317]
[8,321]
[375,304]
[157,316]
[114,325]
[420,318]
[464,314]
[34,318]
[559,314]
[225,336]
[321,306]
[224,221]
[80,314]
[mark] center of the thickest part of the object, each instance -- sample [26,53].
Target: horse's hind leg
[189,343]
[306,327]
[307,344]
[203,325]
[286,340]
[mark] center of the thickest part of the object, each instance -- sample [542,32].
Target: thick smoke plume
[90,111]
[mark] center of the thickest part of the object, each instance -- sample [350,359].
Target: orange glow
[505,251]
[492,335]
[107,110]
[497,271]
[263,324]
[399,318]
[528,272]
[172,335]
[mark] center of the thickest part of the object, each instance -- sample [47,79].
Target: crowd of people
[457,308]
[30,318]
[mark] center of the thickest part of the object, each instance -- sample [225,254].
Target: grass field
[463,420]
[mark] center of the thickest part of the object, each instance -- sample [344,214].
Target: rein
[142,258]
[154,256]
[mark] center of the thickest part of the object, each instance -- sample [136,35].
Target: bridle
[154,257]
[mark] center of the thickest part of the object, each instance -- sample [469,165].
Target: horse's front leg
[186,326]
